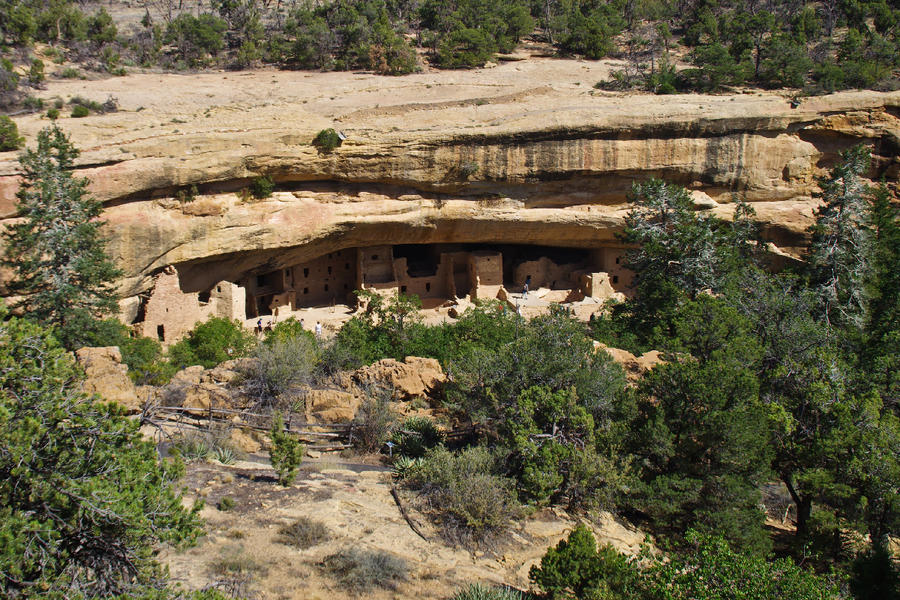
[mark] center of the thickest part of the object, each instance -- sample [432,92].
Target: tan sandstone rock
[565,160]
[330,406]
[108,377]
[413,378]
[635,366]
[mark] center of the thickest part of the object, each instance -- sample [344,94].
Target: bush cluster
[364,570]
[466,492]
[303,533]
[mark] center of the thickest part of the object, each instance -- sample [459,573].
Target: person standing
[318,330]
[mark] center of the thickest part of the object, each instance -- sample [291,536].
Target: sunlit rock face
[536,167]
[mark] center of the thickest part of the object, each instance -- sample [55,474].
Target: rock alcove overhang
[559,185]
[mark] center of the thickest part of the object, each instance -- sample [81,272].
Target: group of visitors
[268,327]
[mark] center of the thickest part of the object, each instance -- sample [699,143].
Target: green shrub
[706,569]
[226,503]
[404,465]
[478,591]
[466,48]
[196,37]
[33,103]
[415,436]
[374,421]
[202,445]
[326,141]
[100,27]
[70,73]
[282,364]
[143,355]
[53,114]
[9,135]
[303,533]
[363,570]
[191,447]
[79,111]
[468,169]
[224,454]
[576,568]
[286,452]
[212,342]
[262,187]
[188,194]
[465,493]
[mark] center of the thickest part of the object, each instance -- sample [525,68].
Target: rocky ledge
[522,153]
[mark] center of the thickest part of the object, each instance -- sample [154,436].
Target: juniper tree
[57,251]
[83,499]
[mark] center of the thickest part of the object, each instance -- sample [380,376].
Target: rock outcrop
[475,157]
[330,406]
[413,378]
[107,377]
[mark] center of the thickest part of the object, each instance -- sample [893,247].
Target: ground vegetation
[666,46]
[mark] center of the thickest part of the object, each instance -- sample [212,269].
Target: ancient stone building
[430,271]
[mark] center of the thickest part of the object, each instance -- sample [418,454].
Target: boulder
[702,200]
[227,372]
[205,395]
[188,375]
[413,378]
[635,366]
[107,377]
[330,406]
[245,441]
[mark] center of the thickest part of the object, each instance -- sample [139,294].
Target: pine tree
[57,251]
[839,250]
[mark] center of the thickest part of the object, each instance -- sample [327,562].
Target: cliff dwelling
[436,273]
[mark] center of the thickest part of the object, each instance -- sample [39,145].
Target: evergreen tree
[701,430]
[57,251]
[83,499]
[838,253]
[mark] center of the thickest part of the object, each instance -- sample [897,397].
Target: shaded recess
[435,272]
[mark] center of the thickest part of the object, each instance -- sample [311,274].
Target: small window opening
[374,257]
[306,272]
[615,279]
[617,259]
[218,289]
[427,287]
[326,287]
[329,270]
[161,333]
[305,290]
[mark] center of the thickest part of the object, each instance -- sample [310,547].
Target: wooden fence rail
[336,436]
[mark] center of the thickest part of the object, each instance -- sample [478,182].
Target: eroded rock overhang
[517,169]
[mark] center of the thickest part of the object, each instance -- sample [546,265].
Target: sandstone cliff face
[486,157]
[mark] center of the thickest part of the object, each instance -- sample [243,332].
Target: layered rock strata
[492,159]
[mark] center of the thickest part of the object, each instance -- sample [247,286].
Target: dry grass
[364,570]
[303,533]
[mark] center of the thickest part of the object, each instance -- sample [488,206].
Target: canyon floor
[242,550]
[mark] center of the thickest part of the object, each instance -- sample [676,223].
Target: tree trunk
[803,504]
